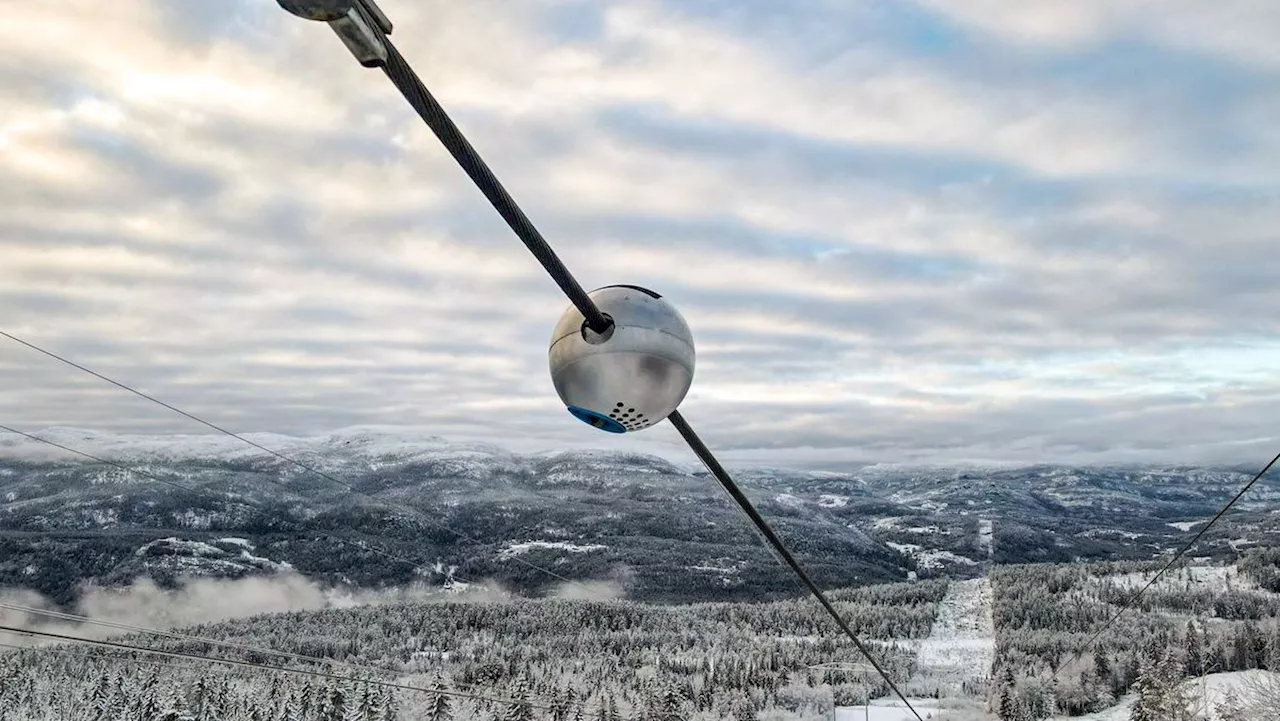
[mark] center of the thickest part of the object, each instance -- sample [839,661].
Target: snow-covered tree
[1159,689]
[439,708]
[1229,707]
[520,709]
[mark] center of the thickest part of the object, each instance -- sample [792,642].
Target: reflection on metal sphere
[635,373]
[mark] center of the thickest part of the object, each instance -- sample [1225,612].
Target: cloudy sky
[900,230]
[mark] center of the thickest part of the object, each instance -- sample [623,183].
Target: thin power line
[175,409]
[115,658]
[409,85]
[173,634]
[351,489]
[104,656]
[416,93]
[1176,557]
[260,666]
[63,616]
[158,479]
[113,464]
[784,554]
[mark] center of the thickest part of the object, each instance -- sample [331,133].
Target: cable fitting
[360,24]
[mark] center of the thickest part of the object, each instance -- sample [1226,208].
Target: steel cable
[411,87]
[726,481]
[1128,604]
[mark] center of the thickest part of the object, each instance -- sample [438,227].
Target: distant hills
[659,531]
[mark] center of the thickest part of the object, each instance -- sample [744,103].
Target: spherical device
[632,375]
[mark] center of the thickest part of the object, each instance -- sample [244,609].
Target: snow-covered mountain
[393,506]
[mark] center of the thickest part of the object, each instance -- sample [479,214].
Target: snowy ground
[930,558]
[1187,576]
[962,642]
[960,647]
[986,536]
[886,710]
[1208,690]
[513,549]
[830,500]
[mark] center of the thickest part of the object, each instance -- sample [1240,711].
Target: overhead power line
[61,615]
[784,554]
[115,658]
[113,464]
[175,409]
[1133,599]
[158,479]
[177,636]
[282,456]
[173,635]
[118,645]
[363,27]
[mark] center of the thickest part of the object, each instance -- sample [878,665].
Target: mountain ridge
[665,529]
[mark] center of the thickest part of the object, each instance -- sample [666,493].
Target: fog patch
[614,587]
[589,591]
[144,604]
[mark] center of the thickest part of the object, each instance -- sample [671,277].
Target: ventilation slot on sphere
[622,415]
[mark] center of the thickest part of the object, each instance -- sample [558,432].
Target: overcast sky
[900,231]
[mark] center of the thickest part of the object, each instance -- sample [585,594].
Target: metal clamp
[360,24]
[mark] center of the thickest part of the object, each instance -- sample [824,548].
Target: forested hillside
[427,511]
[770,661]
[724,660]
[703,622]
[1195,621]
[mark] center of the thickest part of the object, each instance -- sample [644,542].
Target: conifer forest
[569,659]
[983,601]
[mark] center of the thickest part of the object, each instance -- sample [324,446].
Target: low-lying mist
[204,600]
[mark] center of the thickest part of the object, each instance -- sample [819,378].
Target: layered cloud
[899,231]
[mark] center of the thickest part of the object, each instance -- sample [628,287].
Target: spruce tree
[520,709]
[1160,696]
[100,699]
[1006,705]
[198,695]
[1101,666]
[1007,708]
[744,709]
[390,707]
[366,706]
[1229,708]
[439,709]
[1147,704]
[560,705]
[290,709]
[334,706]
[1195,650]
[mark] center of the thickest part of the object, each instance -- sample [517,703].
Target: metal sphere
[632,375]
[323,10]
